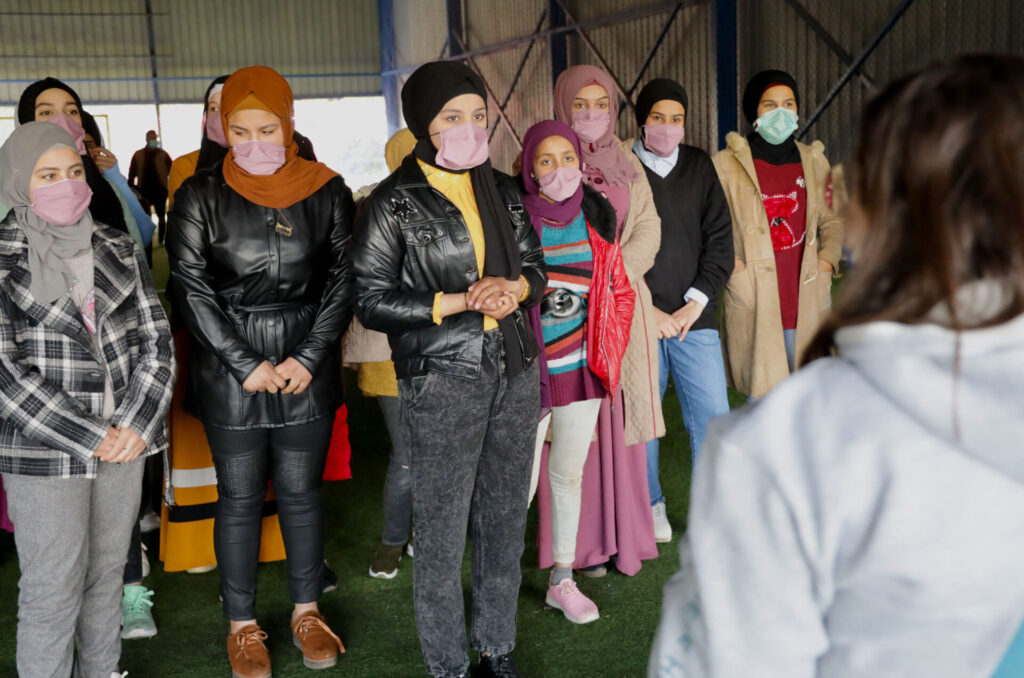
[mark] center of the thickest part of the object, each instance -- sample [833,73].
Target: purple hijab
[604,154]
[537,206]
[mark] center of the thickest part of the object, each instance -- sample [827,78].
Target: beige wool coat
[641,238]
[754,350]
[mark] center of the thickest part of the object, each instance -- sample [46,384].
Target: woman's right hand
[739,266]
[264,378]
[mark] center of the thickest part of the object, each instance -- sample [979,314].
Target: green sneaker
[136,616]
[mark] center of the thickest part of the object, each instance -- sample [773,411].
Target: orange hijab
[297,179]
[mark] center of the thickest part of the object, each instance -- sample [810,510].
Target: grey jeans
[473,452]
[398,485]
[72,539]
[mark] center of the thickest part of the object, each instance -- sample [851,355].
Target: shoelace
[309,621]
[568,588]
[249,638]
[142,600]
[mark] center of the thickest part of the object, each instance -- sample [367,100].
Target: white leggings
[572,430]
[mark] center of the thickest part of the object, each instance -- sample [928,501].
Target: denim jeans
[293,457]
[699,376]
[473,443]
[398,484]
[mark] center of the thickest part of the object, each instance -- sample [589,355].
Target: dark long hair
[938,188]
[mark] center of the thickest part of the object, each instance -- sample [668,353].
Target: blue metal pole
[557,42]
[727,73]
[388,61]
[455,27]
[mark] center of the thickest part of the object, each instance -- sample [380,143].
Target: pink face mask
[590,124]
[214,129]
[62,203]
[663,139]
[72,127]
[560,184]
[259,157]
[463,147]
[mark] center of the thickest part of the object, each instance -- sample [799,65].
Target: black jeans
[398,484]
[293,457]
[473,447]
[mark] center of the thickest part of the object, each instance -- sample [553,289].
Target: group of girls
[531,324]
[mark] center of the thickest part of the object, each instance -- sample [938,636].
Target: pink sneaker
[576,607]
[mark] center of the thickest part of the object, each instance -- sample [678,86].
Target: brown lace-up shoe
[247,653]
[319,645]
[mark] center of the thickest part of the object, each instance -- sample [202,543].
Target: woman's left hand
[298,377]
[490,286]
[499,306]
[127,447]
[825,267]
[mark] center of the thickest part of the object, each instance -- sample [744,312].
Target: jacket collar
[600,213]
[113,280]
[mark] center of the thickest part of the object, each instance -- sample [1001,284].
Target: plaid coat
[51,373]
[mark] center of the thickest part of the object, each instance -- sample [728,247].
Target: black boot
[498,667]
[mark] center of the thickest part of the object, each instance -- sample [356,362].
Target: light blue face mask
[776,125]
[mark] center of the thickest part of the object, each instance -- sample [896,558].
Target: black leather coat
[253,283]
[412,242]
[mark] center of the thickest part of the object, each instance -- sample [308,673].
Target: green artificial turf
[375,617]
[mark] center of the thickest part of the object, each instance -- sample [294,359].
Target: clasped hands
[493,296]
[290,377]
[120,445]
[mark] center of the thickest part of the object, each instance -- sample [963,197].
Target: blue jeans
[699,375]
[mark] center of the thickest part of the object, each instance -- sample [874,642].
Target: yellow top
[182,168]
[459,189]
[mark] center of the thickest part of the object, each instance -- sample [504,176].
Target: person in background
[444,258]
[694,261]
[51,100]
[370,353]
[148,174]
[265,315]
[213,144]
[583,324]
[822,539]
[787,239]
[106,162]
[76,426]
[616,511]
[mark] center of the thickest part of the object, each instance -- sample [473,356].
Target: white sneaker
[662,528]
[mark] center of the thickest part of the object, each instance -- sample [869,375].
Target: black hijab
[91,127]
[210,152]
[657,90]
[774,154]
[424,95]
[105,208]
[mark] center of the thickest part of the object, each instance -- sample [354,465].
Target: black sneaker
[330,580]
[498,667]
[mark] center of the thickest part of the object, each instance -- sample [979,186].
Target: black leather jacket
[254,283]
[412,242]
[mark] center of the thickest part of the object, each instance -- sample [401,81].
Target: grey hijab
[48,245]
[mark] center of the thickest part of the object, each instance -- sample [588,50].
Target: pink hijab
[604,154]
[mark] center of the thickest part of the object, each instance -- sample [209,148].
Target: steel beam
[558,43]
[856,65]
[456,42]
[389,83]
[657,46]
[519,70]
[604,20]
[830,41]
[727,74]
[152,64]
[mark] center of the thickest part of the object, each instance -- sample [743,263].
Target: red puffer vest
[609,311]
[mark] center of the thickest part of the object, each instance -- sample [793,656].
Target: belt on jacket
[267,308]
